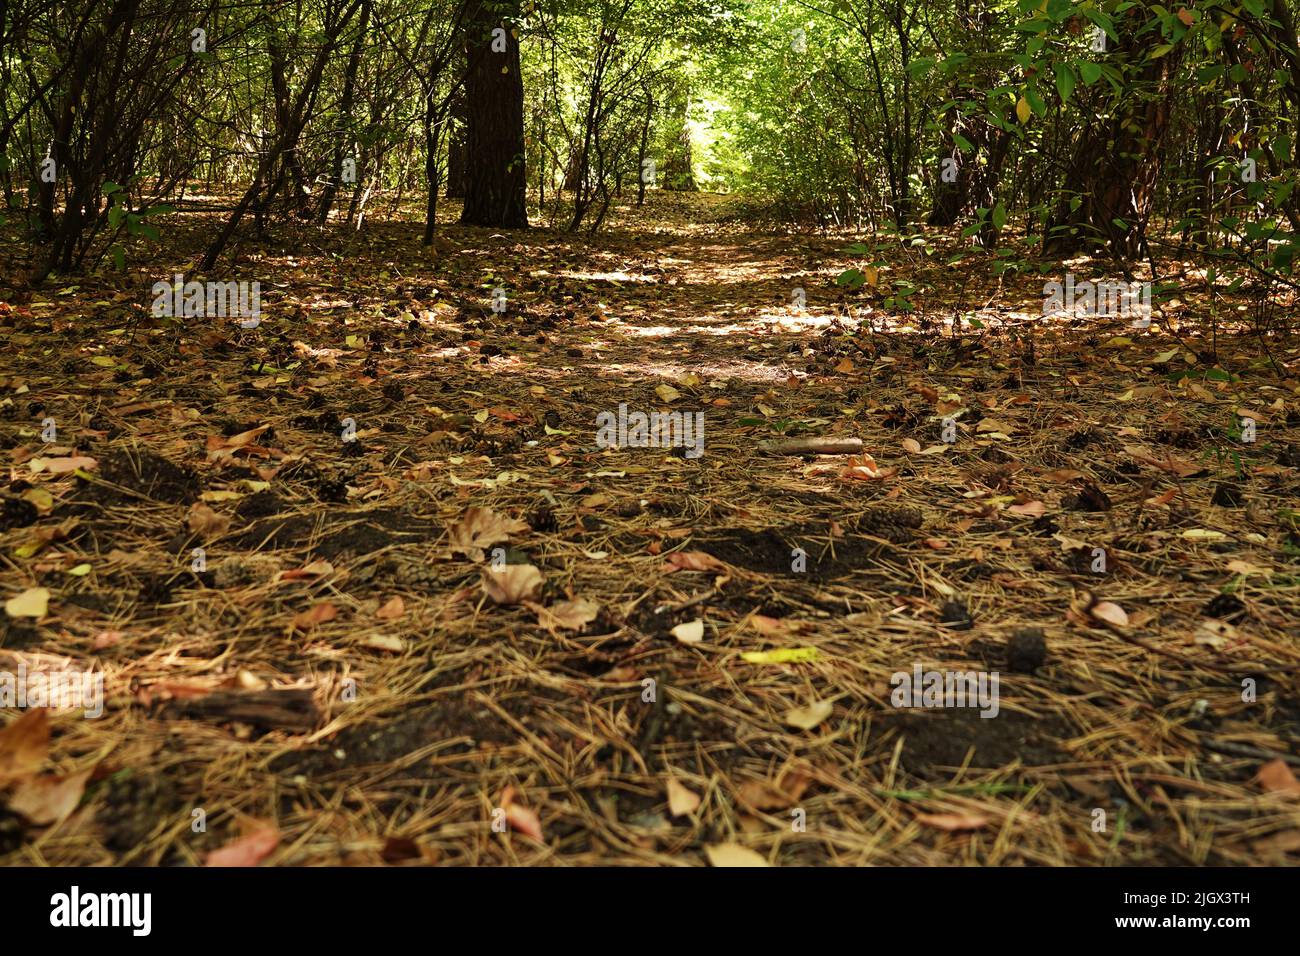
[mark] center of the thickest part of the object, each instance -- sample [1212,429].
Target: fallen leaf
[316,614]
[480,528]
[249,850]
[1164,499]
[385,642]
[1276,777]
[806,718]
[1110,613]
[33,602]
[911,446]
[1030,509]
[667,393]
[525,821]
[775,627]
[206,523]
[316,569]
[513,584]
[692,632]
[49,799]
[784,655]
[864,468]
[952,821]
[733,854]
[24,744]
[993,425]
[391,609]
[693,561]
[574,615]
[681,801]
[61,466]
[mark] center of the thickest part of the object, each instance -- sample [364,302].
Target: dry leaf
[385,642]
[248,850]
[1276,777]
[681,801]
[733,854]
[864,468]
[480,528]
[1030,509]
[911,446]
[392,609]
[806,718]
[692,632]
[61,466]
[513,584]
[693,561]
[574,615]
[47,800]
[1110,613]
[316,614]
[667,393]
[775,627]
[762,795]
[24,744]
[952,821]
[33,602]
[525,821]
[316,569]
[205,522]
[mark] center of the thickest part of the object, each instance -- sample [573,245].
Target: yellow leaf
[784,655]
[33,602]
[80,571]
[667,393]
[1023,112]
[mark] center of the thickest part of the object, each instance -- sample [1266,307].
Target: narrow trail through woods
[430,601]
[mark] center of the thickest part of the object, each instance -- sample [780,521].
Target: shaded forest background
[1108,125]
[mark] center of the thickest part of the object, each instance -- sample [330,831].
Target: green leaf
[999,216]
[1091,72]
[1064,81]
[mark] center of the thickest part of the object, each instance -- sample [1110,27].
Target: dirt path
[353,672]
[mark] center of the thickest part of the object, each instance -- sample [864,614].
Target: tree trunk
[494,98]
[1114,171]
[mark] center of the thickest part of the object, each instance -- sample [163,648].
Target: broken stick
[812,446]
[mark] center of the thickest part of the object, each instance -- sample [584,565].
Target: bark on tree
[494,97]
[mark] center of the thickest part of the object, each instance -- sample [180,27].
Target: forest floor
[343,676]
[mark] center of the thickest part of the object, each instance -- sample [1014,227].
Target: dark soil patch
[773,551]
[145,473]
[667,725]
[134,805]
[261,505]
[386,741]
[942,738]
[274,534]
